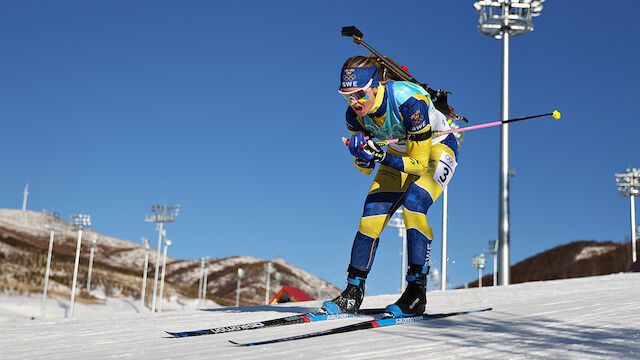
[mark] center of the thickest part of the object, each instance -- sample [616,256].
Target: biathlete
[412,173]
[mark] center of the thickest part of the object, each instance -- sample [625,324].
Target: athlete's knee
[417,199]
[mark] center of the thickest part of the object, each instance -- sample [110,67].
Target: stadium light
[160,214]
[397,221]
[54,219]
[145,241]
[478,263]
[445,217]
[629,185]
[503,19]
[240,275]
[167,242]
[493,251]
[94,242]
[80,222]
[25,196]
[268,269]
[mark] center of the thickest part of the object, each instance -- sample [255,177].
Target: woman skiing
[412,173]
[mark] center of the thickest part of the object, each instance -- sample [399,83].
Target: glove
[376,151]
[356,148]
[365,151]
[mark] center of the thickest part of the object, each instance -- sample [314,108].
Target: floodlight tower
[167,242]
[445,205]
[240,275]
[54,219]
[144,274]
[80,221]
[94,242]
[160,214]
[629,185]
[24,198]
[268,269]
[478,263]
[503,19]
[493,251]
[397,221]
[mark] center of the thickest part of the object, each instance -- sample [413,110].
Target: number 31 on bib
[446,166]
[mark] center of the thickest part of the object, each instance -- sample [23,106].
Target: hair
[371,60]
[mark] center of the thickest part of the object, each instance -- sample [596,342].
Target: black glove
[371,147]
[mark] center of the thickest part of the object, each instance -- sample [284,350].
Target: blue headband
[358,77]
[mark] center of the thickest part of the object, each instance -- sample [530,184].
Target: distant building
[290,294]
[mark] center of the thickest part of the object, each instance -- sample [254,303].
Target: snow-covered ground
[586,318]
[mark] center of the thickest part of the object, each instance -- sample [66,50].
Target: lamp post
[493,251]
[205,274]
[503,19]
[144,274]
[25,196]
[80,221]
[268,268]
[397,221]
[478,263]
[54,218]
[167,242]
[629,185]
[94,242]
[240,275]
[445,218]
[160,214]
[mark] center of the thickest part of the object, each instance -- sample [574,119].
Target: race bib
[444,171]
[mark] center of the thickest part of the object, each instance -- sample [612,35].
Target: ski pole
[556,115]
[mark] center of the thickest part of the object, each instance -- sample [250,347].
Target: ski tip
[556,114]
[175,335]
[237,343]
[345,140]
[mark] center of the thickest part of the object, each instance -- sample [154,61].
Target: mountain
[118,266]
[576,259]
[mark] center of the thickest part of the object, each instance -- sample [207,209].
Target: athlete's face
[362,106]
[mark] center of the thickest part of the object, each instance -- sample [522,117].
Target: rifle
[439,97]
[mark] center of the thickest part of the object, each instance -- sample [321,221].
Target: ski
[385,321]
[287,320]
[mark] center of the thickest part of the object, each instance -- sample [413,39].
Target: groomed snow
[586,318]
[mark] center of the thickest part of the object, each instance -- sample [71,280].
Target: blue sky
[230,109]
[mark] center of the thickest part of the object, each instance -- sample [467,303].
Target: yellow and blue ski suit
[413,172]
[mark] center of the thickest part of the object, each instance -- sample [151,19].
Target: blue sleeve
[415,114]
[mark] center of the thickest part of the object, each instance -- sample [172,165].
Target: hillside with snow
[584,318]
[118,267]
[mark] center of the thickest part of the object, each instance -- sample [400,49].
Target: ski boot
[351,298]
[414,299]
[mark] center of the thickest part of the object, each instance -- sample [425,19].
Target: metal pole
[43,306]
[503,221]
[144,276]
[93,245]
[443,266]
[240,275]
[495,269]
[200,282]
[479,277]
[155,280]
[268,280]
[24,199]
[164,267]
[205,273]
[75,275]
[633,229]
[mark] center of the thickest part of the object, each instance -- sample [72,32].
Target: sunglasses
[355,96]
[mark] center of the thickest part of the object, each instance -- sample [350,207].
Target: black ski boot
[414,299]
[351,298]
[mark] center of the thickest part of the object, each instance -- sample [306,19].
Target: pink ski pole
[555,114]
